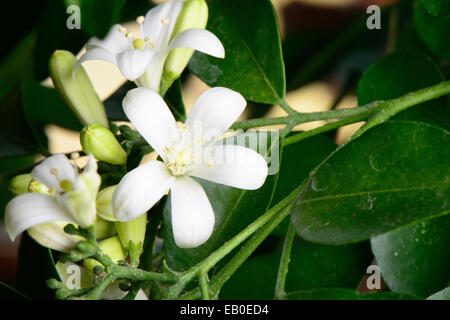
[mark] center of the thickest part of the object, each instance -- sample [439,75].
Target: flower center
[180,158]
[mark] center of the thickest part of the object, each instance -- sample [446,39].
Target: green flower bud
[19,184]
[76,88]
[99,141]
[194,14]
[104,229]
[111,247]
[103,202]
[132,231]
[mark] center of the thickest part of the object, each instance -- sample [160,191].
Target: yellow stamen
[140,19]
[54,171]
[66,185]
[165,21]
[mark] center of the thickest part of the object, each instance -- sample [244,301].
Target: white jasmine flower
[141,59]
[70,199]
[187,150]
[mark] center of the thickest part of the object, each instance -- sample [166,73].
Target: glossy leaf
[441,295]
[414,259]
[436,7]
[174,99]
[396,75]
[389,177]
[253,63]
[347,294]
[311,267]
[100,15]
[433,30]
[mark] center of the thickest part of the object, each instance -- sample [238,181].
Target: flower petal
[150,115]
[53,170]
[115,41]
[140,189]
[30,209]
[192,214]
[52,235]
[234,166]
[133,63]
[214,112]
[159,23]
[200,40]
[97,53]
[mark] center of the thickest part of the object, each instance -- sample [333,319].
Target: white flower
[187,149]
[71,198]
[141,59]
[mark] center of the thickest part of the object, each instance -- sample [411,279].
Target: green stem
[286,107]
[204,286]
[284,262]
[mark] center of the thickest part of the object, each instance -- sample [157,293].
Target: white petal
[152,76]
[30,209]
[53,236]
[97,53]
[192,214]
[114,42]
[214,112]
[53,170]
[234,166]
[200,40]
[150,115]
[160,21]
[140,189]
[133,63]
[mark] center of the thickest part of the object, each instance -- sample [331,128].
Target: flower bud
[194,14]
[99,141]
[134,231]
[76,88]
[35,186]
[19,184]
[104,229]
[112,248]
[104,198]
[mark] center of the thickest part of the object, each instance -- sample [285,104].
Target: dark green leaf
[436,7]
[347,294]
[97,17]
[391,176]
[396,75]
[311,267]
[36,265]
[9,293]
[441,295]
[113,105]
[414,259]
[253,63]
[433,30]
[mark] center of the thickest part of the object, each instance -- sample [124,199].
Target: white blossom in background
[186,150]
[141,59]
[70,199]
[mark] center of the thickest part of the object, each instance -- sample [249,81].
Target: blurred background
[326,44]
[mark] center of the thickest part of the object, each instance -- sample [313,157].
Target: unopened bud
[19,184]
[194,14]
[99,141]
[112,248]
[35,186]
[132,231]
[104,229]
[103,202]
[76,89]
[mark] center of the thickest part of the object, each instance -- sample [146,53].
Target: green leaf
[297,161]
[347,294]
[100,15]
[389,177]
[414,259]
[311,267]
[44,105]
[113,104]
[253,63]
[174,99]
[9,293]
[433,30]
[234,209]
[36,265]
[441,295]
[396,75]
[436,7]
